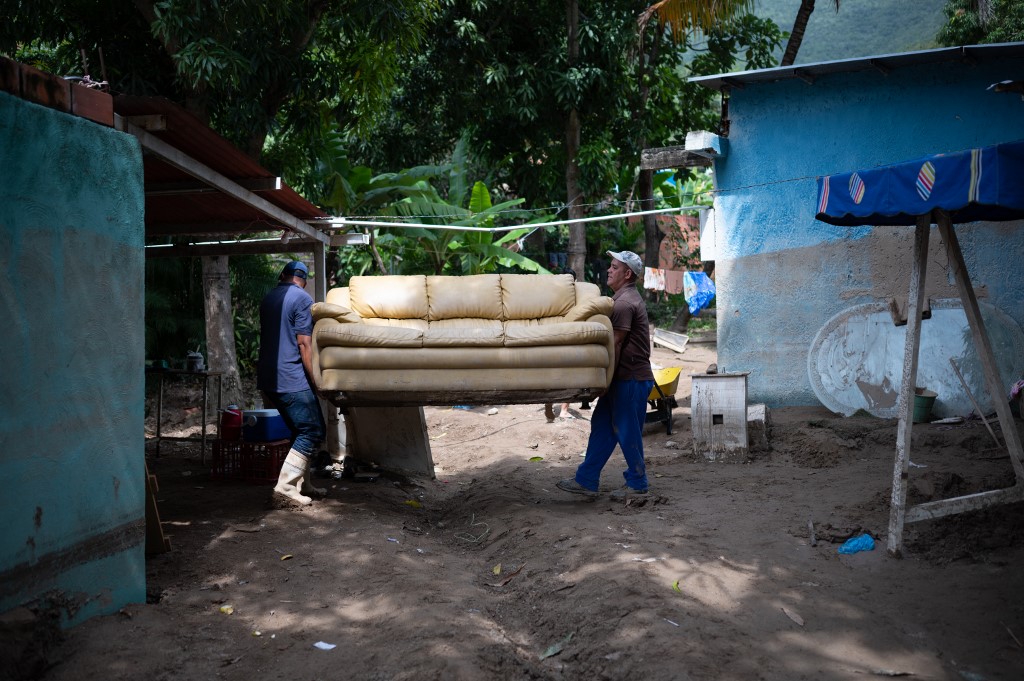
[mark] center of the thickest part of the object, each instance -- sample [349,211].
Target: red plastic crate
[248,461]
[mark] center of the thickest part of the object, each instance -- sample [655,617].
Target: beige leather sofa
[481,339]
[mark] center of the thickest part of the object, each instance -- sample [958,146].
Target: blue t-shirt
[284,314]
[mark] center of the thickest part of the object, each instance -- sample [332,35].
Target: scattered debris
[556,648]
[492,411]
[674,624]
[325,646]
[496,569]
[863,542]
[793,616]
[226,609]
[810,529]
[510,575]
[413,503]
[393,540]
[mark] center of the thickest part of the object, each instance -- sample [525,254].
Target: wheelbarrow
[663,396]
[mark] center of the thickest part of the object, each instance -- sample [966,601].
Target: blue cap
[296,268]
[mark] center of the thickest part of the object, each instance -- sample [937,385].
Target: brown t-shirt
[630,314]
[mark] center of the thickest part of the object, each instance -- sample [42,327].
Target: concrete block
[95,105]
[46,89]
[758,428]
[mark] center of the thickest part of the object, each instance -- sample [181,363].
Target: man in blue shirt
[285,375]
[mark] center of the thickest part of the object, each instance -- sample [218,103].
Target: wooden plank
[228,248]
[915,303]
[970,502]
[156,542]
[982,345]
[253,184]
[672,157]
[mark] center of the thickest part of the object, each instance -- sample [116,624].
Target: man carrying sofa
[284,373]
[620,413]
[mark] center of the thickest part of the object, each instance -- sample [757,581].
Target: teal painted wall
[781,274]
[72,364]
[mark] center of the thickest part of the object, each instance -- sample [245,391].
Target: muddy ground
[489,572]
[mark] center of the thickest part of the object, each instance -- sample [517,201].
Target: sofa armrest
[336,312]
[586,309]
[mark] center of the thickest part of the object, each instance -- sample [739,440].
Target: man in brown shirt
[620,413]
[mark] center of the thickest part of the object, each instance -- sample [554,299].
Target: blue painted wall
[781,274]
[72,364]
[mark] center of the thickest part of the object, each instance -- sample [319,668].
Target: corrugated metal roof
[882,63]
[204,211]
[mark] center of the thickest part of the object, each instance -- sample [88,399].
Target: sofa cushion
[466,333]
[395,297]
[475,296]
[566,333]
[367,335]
[330,311]
[530,296]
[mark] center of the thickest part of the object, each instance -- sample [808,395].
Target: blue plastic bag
[862,542]
[698,290]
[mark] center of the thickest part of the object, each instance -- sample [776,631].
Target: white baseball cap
[630,260]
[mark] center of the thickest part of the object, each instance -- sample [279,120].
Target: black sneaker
[570,485]
[625,492]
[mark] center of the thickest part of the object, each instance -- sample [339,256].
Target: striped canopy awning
[977,184]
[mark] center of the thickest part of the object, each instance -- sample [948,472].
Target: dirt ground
[490,572]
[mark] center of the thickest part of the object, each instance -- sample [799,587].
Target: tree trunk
[220,327]
[797,35]
[577,231]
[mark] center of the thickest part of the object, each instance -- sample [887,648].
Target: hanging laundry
[654,279]
[698,289]
[673,281]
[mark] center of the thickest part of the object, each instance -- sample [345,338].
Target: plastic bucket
[923,402]
[231,424]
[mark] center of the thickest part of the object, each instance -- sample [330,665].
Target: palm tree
[683,16]
[796,37]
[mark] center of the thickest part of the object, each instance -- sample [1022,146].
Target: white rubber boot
[292,475]
[309,490]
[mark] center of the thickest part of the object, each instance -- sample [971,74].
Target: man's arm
[305,344]
[620,340]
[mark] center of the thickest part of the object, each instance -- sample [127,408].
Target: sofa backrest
[503,297]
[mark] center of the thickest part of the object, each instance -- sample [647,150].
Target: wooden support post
[156,542]
[981,344]
[915,303]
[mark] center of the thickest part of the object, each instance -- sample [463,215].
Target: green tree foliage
[969,23]
[247,66]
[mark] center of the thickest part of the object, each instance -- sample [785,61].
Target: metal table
[205,376]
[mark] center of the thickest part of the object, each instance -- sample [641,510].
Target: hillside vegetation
[861,28]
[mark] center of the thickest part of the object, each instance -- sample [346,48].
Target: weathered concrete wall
[782,275]
[71,296]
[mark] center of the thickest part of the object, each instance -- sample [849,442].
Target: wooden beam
[672,157]
[253,184]
[151,122]
[231,248]
[206,228]
[915,302]
[969,502]
[183,162]
[982,346]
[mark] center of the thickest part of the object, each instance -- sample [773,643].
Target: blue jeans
[618,420]
[301,413]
